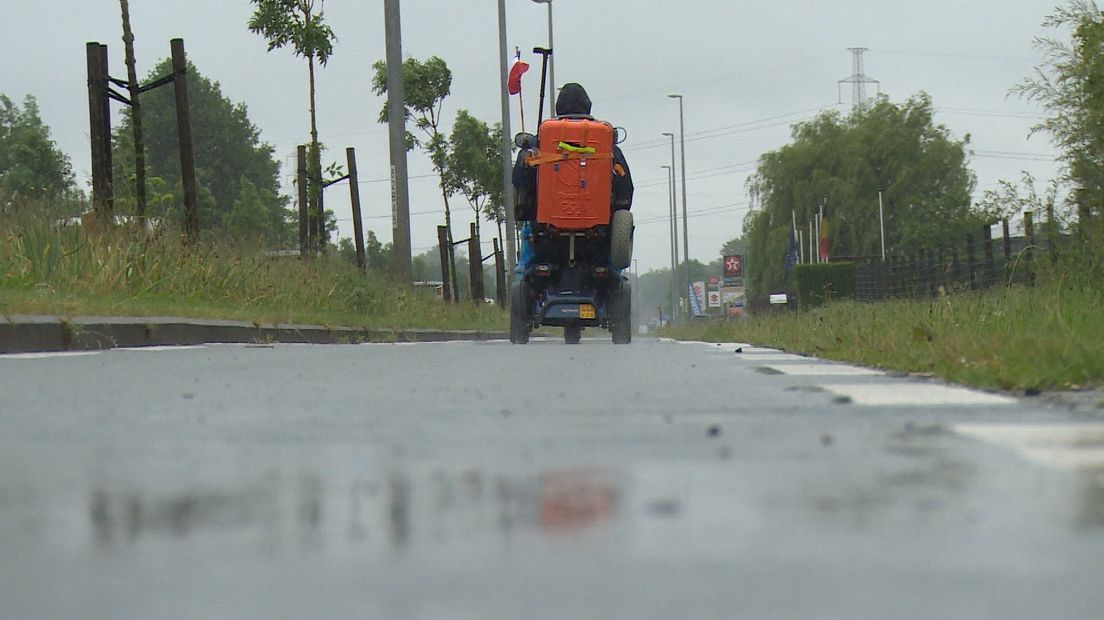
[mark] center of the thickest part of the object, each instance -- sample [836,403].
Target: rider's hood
[573,99]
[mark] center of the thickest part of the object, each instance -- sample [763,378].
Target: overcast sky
[747,71]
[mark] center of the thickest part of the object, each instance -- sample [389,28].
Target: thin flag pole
[521,95]
[817,240]
[881,223]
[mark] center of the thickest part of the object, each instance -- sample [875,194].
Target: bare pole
[354,198]
[551,66]
[109,169]
[674,229]
[396,119]
[507,165]
[881,223]
[184,131]
[685,219]
[674,237]
[96,103]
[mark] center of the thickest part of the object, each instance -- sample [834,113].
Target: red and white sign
[733,266]
[714,299]
[714,281]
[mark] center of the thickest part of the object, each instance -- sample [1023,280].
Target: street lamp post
[636,295]
[507,143]
[685,232]
[674,237]
[551,61]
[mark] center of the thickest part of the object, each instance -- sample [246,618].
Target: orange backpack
[574,174]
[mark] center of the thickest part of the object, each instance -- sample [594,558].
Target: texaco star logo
[732,264]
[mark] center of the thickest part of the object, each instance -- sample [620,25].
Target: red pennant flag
[513,85]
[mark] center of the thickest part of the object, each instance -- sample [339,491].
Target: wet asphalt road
[658,480]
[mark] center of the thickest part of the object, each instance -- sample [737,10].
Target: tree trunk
[314,182]
[448,227]
[135,117]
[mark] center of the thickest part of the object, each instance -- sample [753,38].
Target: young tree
[301,24]
[899,149]
[232,163]
[1070,86]
[31,165]
[425,85]
[473,163]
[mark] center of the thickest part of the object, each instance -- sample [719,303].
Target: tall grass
[1048,336]
[49,268]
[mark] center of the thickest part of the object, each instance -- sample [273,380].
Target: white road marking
[825,370]
[915,394]
[162,348]
[39,356]
[1063,446]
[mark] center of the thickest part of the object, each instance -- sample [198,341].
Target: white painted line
[773,357]
[915,394]
[1063,446]
[162,348]
[39,356]
[825,370]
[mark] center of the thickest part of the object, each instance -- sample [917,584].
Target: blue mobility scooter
[580,243]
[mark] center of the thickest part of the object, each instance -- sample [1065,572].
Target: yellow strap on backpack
[571,148]
[567,151]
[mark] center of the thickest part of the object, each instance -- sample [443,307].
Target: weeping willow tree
[840,162]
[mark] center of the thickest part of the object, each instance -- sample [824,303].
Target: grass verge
[1042,338]
[67,271]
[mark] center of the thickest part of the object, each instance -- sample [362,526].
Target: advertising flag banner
[697,298]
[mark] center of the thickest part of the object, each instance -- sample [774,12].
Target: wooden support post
[184,129]
[304,216]
[971,260]
[990,261]
[1052,233]
[97,101]
[500,276]
[443,244]
[956,269]
[354,197]
[1007,251]
[109,169]
[1029,251]
[475,266]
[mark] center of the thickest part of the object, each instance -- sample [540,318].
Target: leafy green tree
[473,163]
[233,166]
[31,165]
[1070,86]
[734,246]
[844,161]
[426,84]
[302,25]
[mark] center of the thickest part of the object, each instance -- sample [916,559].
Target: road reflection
[397,510]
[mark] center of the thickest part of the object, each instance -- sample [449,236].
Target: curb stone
[38,333]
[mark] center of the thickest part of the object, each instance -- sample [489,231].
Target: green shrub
[821,283]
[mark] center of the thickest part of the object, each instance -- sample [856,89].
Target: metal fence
[975,262]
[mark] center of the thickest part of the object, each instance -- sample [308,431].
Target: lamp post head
[667,133]
[675,96]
